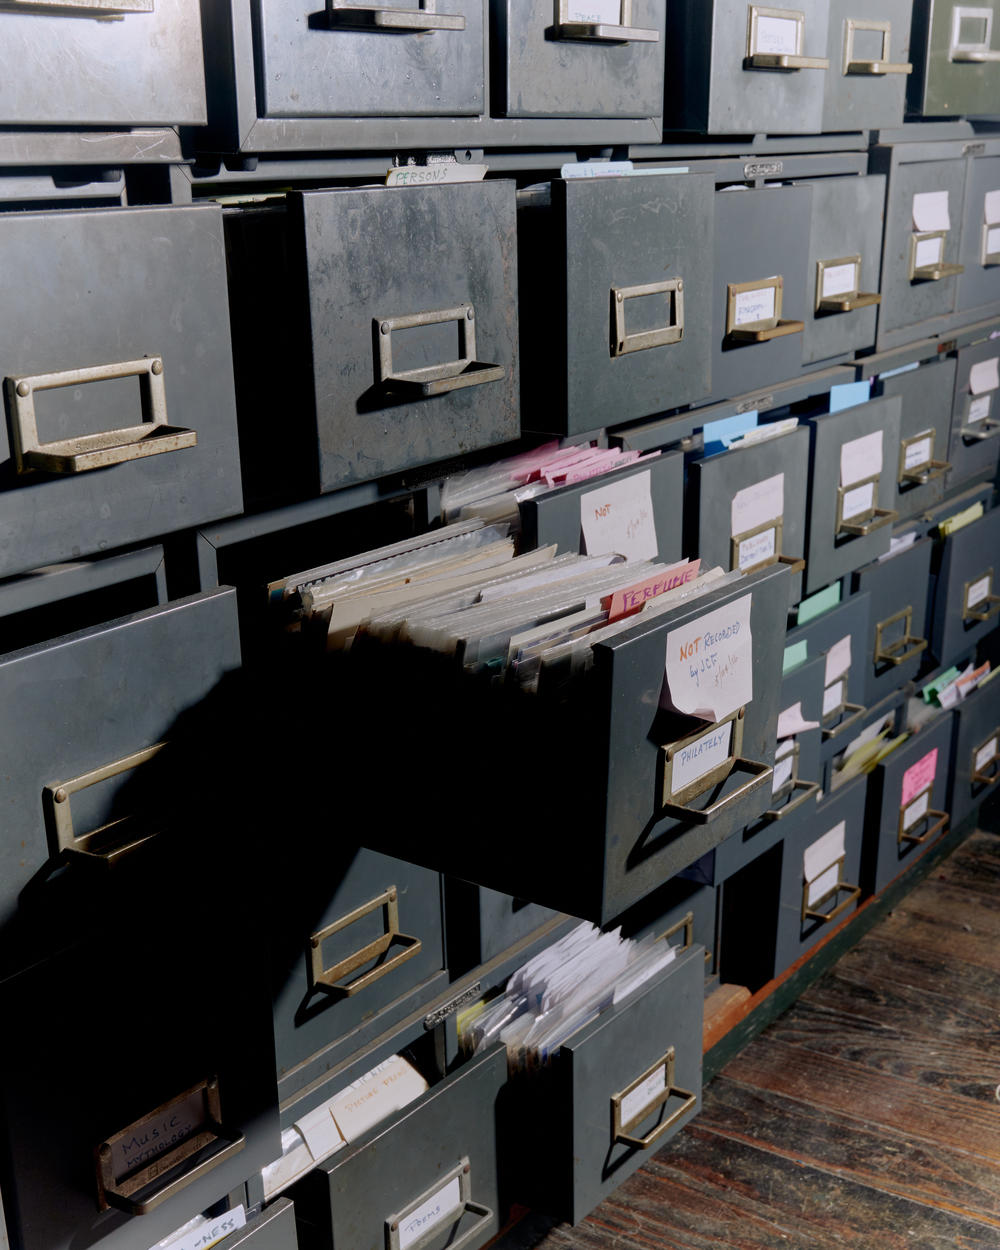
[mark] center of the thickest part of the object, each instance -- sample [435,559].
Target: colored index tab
[795,655]
[729,428]
[630,600]
[819,603]
[849,395]
[918,777]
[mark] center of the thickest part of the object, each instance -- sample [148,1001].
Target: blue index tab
[894,373]
[818,603]
[850,395]
[795,655]
[723,432]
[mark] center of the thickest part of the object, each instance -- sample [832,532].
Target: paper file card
[861,458]
[634,1104]
[709,663]
[985,376]
[929,252]
[919,452]
[791,721]
[618,519]
[840,280]
[838,660]
[384,1090]
[782,773]
[756,505]
[201,1232]
[754,306]
[820,863]
[930,211]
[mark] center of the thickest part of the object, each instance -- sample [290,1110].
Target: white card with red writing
[618,518]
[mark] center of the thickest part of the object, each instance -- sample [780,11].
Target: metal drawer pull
[902,649]
[778,331]
[329,980]
[985,614]
[769,60]
[936,269]
[570,24]
[920,477]
[759,774]
[870,519]
[758,18]
[981,431]
[808,788]
[111,9]
[940,820]
[882,516]
[979,775]
[621,1130]
[121,1191]
[427,1222]
[853,893]
[677,802]
[986,604]
[431,380]
[871,68]
[110,842]
[93,451]
[686,923]
[375,18]
[831,273]
[856,710]
[622,342]
[985,56]
[849,303]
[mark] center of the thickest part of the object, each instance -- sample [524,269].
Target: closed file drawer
[616,298]
[898,628]
[907,794]
[955,50]
[118,376]
[975,759]
[975,413]
[923,469]
[966,593]
[869,53]
[73,66]
[979,285]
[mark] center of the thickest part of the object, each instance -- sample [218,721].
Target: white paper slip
[930,211]
[919,452]
[698,758]
[785,747]
[993,241]
[986,753]
[833,697]
[762,433]
[928,252]
[839,280]
[319,1131]
[949,696]
[752,506]
[819,862]
[791,721]
[432,175]
[838,660]
[896,545]
[753,306]
[777,36]
[296,1159]
[755,550]
[709,662]
[859,500]
[644,1095]
[985,376]
[595,169]
[979,591]
[917,810]
[618,518]
[861,458]
[438,1208]
[605,12]
[648,968]
[379,1093]
[202,1232]
[782,773]
[991,207]
[979,408]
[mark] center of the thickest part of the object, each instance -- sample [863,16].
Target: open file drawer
[975,413]
[975,758]
[117,367]
[966,591]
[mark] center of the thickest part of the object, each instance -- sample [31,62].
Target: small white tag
[980,590]
[754,505]
[434,175]
[757,549]
[979,409]
[791,721]
[618,518]
[986,753]
[833,697]
[603,12]
[787,747]
[709,662]
[991,207]
[861,458]
[930,211]
[993,240]
[782,774]
[777,36]
[919,453]
[386,1089]
[698,758]
[929,252]
[635,1103]
[985,376]
[916,811]
[754,306]
[438,1208]
[840,280]
[838,660]
[860,499]
[819,862]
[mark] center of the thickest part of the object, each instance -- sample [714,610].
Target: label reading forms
[840,280]
[918,453]
[980,590]
[929,252]
[754,306]
[777,36]
[833,697]
[986,753]
[635,1103]
[700,757]
[756,549]
[860,499]
[917,810]
[437,1208]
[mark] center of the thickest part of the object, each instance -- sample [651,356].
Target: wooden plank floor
[867,1115]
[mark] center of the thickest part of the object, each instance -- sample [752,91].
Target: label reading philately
[833,697]
[760,547]
[709,662]
[757,504]
[919,453]
[929,252]
[979,408]
[618,519]
[177,1122]
[753,306]
[604,12]
[987,753]
[777,36]
[819,862]
[634,1104]
[861,458]
[860,499]
[980,590]
[918,777]
[701,756]
[917,810]
[438,1208]
[782,773]
[840,280]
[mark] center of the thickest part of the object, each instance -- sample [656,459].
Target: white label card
[791,721]
[698,758]
[986,753]
[214,1230]
[778,36]
[754,505]
[918,453]
[838,660]
[176,1123]
[435,1210]
[929,252]
[860,499]
[387,1088]
[840,280]
[754,306]
[861,458]
[916,811]
[782,774]
[979,409]
[980,590]
[635,1103]
[930,211]
[709,662]
[833,697]
[985,376]
[991,208]
[819,862]
[603,12]
[993,241]
[320,1132]
[618,519]
[757,549]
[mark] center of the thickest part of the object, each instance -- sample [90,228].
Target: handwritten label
[819,862]
[379,1093]
[630,600]
[980,590]
[838,660]
[432,175]
[709,662]
[777,36]
[917,810]
[178,1122]
[605,12]
[834,697]
[861,458]
[618,518]
[991,207]
[986,754]
[755,550]
[757,504]
[840,280]
[791,721]
[993,240]
[930,211]
[698,758]
[918,453]
[979,408]
[782,773]
[438,1208]
[200,1233]
[753,306]
[918,777]
[860,499]
[985,376]
[928,252]
[635,1103]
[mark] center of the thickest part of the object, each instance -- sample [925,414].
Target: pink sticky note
[918,777]
[630,600]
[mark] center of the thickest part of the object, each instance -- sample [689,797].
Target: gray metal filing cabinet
[907,794]
[979,284]
[556,517]
[923,469]
[868,47]
[623,1084]
[483,924]
[426,1175]
[975,757]
[761,268]
[118,378]
[966,594]
[760,490]
[975,414]
[955,50]
[616,298]
[898,628]
[738,68]
[853,488]
[101,63]
[389,363]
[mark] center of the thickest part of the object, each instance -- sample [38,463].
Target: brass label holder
[931,830]
[811,911]
[623,1131]
[866,522]
[905,647]
[928,469]
[979,775]
[569,27]
[847,301]
[938,269]
[431,380]
[795,563]
[330,980]
[985,607]
[622,343]
[424,1218]
[677,803]
[871,69]
[766,328]
[783,61]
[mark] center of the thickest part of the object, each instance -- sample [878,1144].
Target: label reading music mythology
[635,1103]
[153,1137]
[618,518]
[435,1210]
[709,662]
[753,306]
[699,758]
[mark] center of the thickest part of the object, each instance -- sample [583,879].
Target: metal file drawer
[955,49]
[761,267]
[586,59]
[357,944]
[869,52]
[907,797]
[845,247]
[922,470]
[966,590]
[975,759]
[398,314]
[884,720]
[365,1193]
[842,706]
[979,285]
[273,1229]
[806,913]
[556,517]
[566,1130]
[975,417]
[91,701]
[741,484]
[73,66]
[616,299]
[898,628]
[118,377]
[851,516]
[738,68]
[482,924]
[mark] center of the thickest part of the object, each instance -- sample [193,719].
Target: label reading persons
[709,662]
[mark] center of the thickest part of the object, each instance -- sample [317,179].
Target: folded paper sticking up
[755,505]
[861,458]
[618,518]
[918,777]
[951,525]
[930,211]
[791,721]
[820,863]
[633,598]
[762,433]
[838,660]
[709,663]
[985,376]
[381,1092]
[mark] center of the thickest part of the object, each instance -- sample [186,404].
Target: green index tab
[795,655]
[819,603]
[933,688]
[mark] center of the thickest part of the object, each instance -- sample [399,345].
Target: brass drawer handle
[875,68]
[853,893]
[330,980]
[570,25]
[458,1183]
[686,923]
[739,335]
[920,477]
[902,649]
[622,342]
[808,788]
[940,820]
[759,774]
[856,710]
[770,60]
[980,432]
[621,1129]
[439,379]
[849,303]
[376,18]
